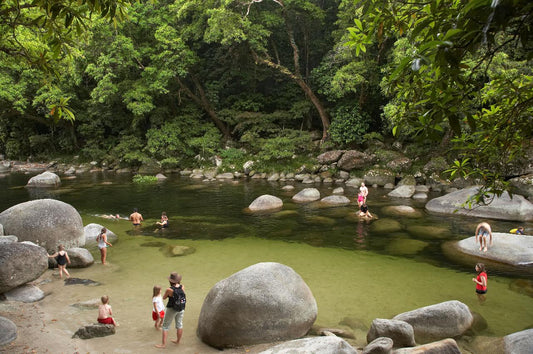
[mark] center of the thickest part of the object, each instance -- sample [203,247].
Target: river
[355,272]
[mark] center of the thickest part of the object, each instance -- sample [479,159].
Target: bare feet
[162,346]
[175,341]
[485,249]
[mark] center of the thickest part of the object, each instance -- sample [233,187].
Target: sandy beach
[47,326]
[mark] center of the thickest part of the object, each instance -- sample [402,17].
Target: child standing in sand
[62,259]
[105,313]
[158,307]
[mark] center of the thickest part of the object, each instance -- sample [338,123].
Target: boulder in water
[263,303]
[445,346]
[45,179]
[91,231]
[401,332]
[46,222]
[25,293]
[307,195]
[503,207]
[266,202]
[20,263]
[435,322]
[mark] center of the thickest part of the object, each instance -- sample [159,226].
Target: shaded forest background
[274,81]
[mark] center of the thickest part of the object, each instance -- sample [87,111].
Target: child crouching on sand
[105,312]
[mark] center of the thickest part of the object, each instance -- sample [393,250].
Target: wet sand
[47,326]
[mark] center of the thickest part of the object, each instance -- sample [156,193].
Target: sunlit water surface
[355,272]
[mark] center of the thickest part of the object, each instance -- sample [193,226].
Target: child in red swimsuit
[105,312]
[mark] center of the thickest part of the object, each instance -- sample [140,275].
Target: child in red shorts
[105,312]
[158,307]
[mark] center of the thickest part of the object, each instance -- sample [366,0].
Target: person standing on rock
[482,231]
[62,259]
[175,309]
[136,217]
[102,244]
[364,191]
[481,282]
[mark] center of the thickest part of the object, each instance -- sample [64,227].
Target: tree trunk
[324,116]
[203,102]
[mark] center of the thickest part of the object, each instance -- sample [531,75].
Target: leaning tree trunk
[202,101]
[324,116]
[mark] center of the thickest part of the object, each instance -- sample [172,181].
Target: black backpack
[179,298]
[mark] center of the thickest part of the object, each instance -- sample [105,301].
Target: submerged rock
[386,226]
[177,250]
[322,345]
[78,281]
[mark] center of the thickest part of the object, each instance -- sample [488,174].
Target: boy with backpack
[175,309]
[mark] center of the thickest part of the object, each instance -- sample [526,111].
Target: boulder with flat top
[503,207]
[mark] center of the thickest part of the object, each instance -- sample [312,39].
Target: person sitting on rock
[363,212]
[105,313]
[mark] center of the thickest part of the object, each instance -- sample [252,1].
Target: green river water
[356,272]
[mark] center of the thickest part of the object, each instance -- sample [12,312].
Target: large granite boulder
[401,332]
[335,200]
[380,177]
[381,345]
[46,222]
[352,159]
[80,257]
[404,191]
[263,303]
[519,342]
[508,252]
[307,195]
[91,231]
[523,185]
[45,179]
[24,293]
[266,202]
[94,330]
[503,207]
[322,345]
[329,157]
[435,322]
[445,346]
[8,331]
[20,263]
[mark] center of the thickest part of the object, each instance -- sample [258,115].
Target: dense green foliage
[175,83]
